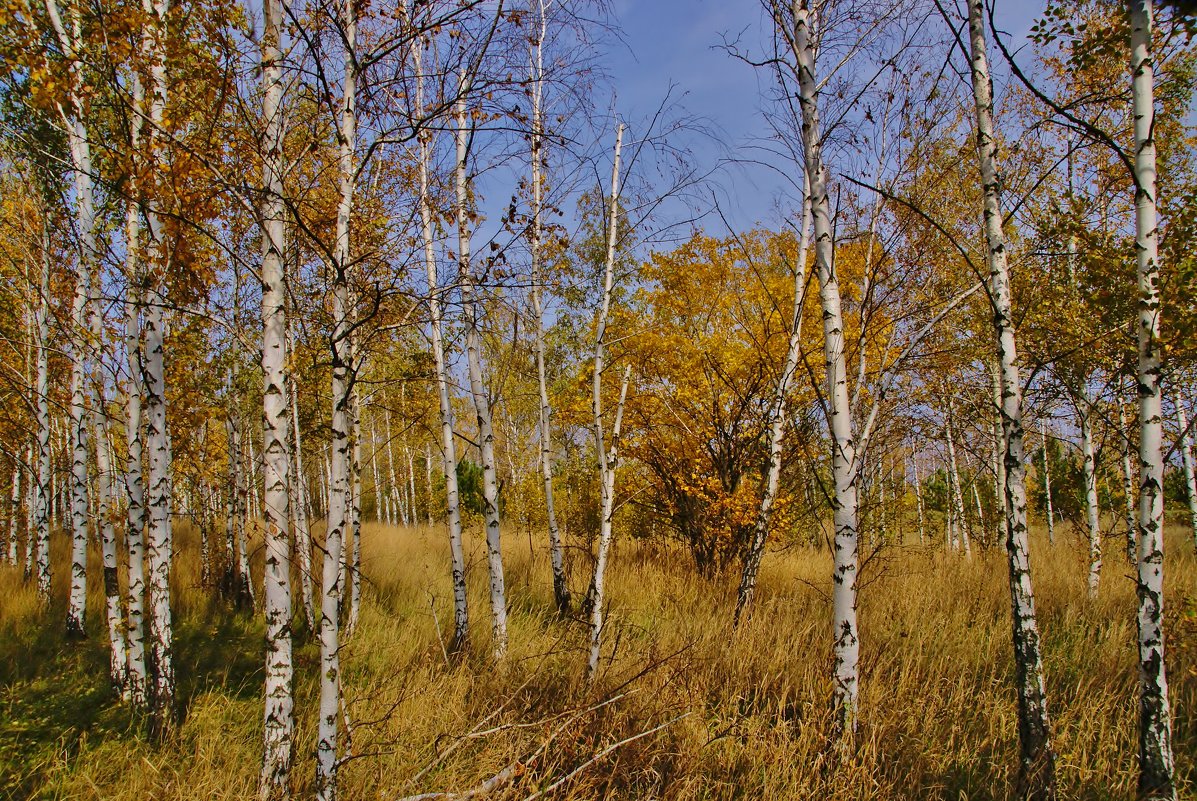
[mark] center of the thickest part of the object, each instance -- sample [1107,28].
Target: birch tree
[340,479]
[537,158]
[69,34]
[278,713]
[778,421]
[608,459]
[1036,758]
[1156,770]
[1186,457]
[478,391]
[846,638]
[1128,484]
[1085,411]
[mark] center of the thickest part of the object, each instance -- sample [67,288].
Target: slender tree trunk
[607,460]
[918,500]
[777,424]
[379,491]
[1186,456]
[1155,718]
[954,480]
[1037,771]
[478,390]
[278,710]
[461,620]
[39,532]
[134,483]
[340,489]
[1047,490]
[428,482]
[999,449]
[303,529]
[354,562]
[1128,485]
[391,490]
[14,515]
[556,552]
[118,650]
[411,485]
[85,219]
[243,593]
[845,467]
[1092,512]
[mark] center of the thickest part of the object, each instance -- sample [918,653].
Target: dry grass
[937,709]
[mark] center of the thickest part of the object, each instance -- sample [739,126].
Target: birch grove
[500,361]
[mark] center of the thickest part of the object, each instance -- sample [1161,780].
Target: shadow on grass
[56,699]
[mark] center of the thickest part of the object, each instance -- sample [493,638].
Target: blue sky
[677,42]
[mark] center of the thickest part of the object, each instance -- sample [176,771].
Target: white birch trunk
[607,461]
[1092,512]
[134,482]
[1037,760]
[353,564]
[999,449]
[80,149]
[14,511]
[957,498]
[1186,456]
[118,652]
[461,624]
[777,423]
[39,532]
[428,483]
[278,709]
[918,500]
[379,490]
[1128,485]
[1155,717]
[303,530]
[1047,490]
[845,469]
[391,494]
[339,511]
[243,593]
[537,141]
[478,389]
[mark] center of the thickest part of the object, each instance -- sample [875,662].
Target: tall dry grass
[749,707]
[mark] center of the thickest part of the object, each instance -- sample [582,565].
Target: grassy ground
[748,708]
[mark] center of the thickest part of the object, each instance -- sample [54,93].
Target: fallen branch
[512,771]
[603,754]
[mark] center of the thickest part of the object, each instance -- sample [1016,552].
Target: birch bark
[1037,779]
[1155,717]
[607,460]
[340,478]
[845,470]
[537,141]
[70,40]
[1089,471]
[1047,490]
[303,529]
[1128,485]
[1186,457]
[40,531]
[777,423]
[278,710]
[954,480]
[478,389]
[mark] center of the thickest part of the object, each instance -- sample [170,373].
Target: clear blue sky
[678,42]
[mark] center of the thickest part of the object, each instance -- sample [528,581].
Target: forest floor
[742,714]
